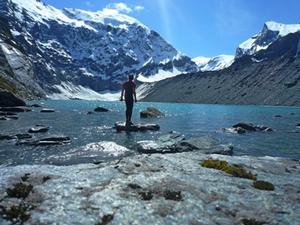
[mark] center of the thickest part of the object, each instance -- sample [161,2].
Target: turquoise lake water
[192,120]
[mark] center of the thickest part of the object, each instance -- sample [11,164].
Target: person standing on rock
[130,96]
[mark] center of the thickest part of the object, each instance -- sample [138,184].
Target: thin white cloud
[89,4]
[122,7]
[139,8]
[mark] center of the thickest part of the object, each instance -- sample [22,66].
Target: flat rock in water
[15,109]
[55,140]
[8,99]
[46,110]
[151,112]
[101,109]
[121,126]
[155,189]
[38,129]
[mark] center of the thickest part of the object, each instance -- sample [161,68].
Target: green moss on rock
[263,185]
[234,170]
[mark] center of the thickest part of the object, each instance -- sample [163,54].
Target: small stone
[38,129]
[46,110]
[101,109]
[173,195]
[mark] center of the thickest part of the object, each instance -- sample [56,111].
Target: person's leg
[130,107]
[127,111]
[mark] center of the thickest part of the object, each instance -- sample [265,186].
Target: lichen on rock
[234,170]
[263,185]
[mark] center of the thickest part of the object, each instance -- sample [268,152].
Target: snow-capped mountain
[215,63]
[271,32]
[93,50]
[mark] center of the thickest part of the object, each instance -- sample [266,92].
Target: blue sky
[200,27]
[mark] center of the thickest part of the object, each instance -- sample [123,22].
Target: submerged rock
[160,190]
[6,137]
[242,128]
[175,142]
[8,99]
[121,126]
[101,109]
[55,140]
[46,110]
[38,129]
[151,112]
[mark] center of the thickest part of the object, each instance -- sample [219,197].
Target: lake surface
[192,120]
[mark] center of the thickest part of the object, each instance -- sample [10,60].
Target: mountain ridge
[96,53]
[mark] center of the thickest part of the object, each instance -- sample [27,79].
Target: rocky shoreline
[152,189]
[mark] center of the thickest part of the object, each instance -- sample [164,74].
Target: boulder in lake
[101,109]
[242,128]
[121,126]
[151,112]
[46,110]
[38,129]
[8,99]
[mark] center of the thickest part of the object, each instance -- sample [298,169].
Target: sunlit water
[71,119]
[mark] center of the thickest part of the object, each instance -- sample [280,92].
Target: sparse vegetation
[234,170]
[263,185]
[19,190]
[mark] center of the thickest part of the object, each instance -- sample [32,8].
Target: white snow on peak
[106,16]
[251,45]
[283,29]
[41,12]
[201,61]
[215,63]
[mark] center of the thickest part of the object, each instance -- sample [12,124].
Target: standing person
[130,96]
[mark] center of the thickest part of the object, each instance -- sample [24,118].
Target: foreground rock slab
[121,126]
[153,189]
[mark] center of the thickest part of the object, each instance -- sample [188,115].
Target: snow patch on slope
[160,75]
[68,90]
